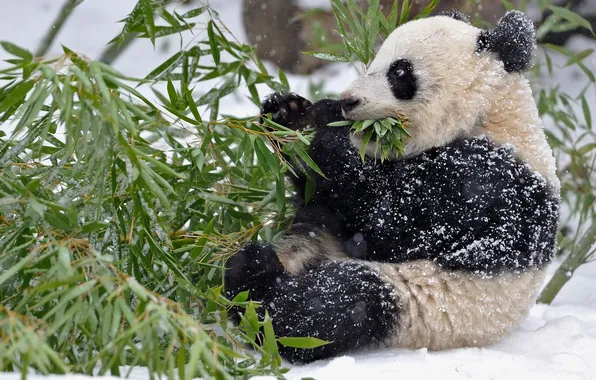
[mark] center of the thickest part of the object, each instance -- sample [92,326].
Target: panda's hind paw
[255,268]
[287,109]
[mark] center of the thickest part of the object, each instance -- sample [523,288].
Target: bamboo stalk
[109,55]
[564,273]
[56,26]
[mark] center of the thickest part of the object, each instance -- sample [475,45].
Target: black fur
[402,80]
[470,205]
[254,267]
[454,13]
[513,40]
[345,303]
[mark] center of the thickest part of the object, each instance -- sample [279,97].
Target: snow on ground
[554,342]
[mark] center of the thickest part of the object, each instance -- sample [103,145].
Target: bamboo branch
[56,26]
[577,257]
[109,55]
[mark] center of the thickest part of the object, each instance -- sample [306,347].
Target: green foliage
[389,135]
[117,212]
[114,228]
[361,29]
[572,140]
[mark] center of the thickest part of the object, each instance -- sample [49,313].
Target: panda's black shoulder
[481,163]
[478,154]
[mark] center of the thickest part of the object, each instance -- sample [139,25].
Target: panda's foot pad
[287,109]
[255,267]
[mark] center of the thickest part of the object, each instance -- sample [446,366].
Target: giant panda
[443,247]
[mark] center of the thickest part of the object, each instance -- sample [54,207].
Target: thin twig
[109,55]
[56,26]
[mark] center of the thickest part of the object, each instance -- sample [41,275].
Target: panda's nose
[349,104]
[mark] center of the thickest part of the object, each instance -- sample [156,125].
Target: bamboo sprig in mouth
[390,133]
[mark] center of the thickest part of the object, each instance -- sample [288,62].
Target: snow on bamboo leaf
[389,135]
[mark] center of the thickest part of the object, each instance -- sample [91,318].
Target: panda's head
[443,75]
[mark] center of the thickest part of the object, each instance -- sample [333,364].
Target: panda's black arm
[330,146]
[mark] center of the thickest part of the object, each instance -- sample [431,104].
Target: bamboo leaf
[213,43]
[16,95]
[342,123]
[166,67]
[17,51]
[148,18]
[300,151]
[571,16]
[329,56]
[302,342]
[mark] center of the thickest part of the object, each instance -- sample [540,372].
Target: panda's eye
[400,68]
[402,80]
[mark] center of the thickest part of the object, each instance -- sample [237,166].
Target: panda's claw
[287,109]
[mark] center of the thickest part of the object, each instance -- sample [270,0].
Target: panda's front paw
[254,268]
[286,109]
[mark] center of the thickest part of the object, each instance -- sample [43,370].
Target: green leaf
[266,156]
[427,10]
[405,12]
[586,111]
[17,51]
[194,12]
[365,140]
[329,56]
[343,123]
[309,189]
[573,58]
[302,342]
[269,343]
[280,190]
[173,95]
[213,43]
[571,16]
[284,80]
[586,148]
[94,226]
[166,67]
[218,199]
[302,153]
[15,268]
[5,201]
[148,18]
[508,5]
[16,95]
[241,297]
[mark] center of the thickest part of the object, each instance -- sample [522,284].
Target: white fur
[442,309]
[296,252]
[460,93]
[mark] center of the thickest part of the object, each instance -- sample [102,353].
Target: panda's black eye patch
[402,79]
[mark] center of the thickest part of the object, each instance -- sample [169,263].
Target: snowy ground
[554,342]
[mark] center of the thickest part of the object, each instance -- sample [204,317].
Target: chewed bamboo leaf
[389,135]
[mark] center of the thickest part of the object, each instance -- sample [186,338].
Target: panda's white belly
[442,309]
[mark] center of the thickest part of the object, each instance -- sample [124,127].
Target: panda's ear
[513,40]
[454,13]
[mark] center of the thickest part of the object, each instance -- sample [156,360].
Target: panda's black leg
[254,268]
[343,302]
